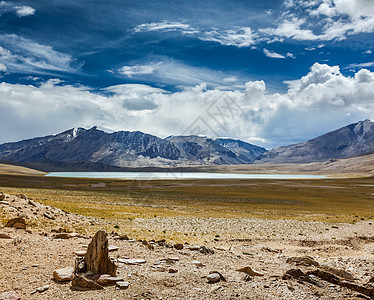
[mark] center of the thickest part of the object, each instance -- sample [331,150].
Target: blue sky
[268,72]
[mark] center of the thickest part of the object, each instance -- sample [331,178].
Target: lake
[178,175]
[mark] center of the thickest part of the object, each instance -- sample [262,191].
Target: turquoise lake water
[178,175]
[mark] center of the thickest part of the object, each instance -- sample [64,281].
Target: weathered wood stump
[97,257]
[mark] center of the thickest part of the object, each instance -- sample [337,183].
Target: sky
[270,72]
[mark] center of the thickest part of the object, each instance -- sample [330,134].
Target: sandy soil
[29,258]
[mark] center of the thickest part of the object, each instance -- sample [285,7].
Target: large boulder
[97,256]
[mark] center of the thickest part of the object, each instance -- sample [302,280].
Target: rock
[123,237]
[131,261]
[112,248]
[249,271]
[339,272]
[80,253]
[106,279]
[2,197]
[205,250]
[122,285]
[65,274]
[304,261]
[327,276]
[299,275]
[48,216]
[197,263]
[17,223]
[62,236]
[172,270]
[12,295]
[32,203]
[81,283]
[214,277]
[194,247]
[4,202]
[371,280]
[22,196]
[178,246]
[172,259]
[42,289]
[97,257]
[5,236]
[81,264]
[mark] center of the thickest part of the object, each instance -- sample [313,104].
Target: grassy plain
[328,200]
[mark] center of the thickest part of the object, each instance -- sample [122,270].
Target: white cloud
[368,52]
[23,11]
[166,26]
[325,20]
[20,11]
[23,55]
[273,54]
[320,101]
[362,65]
[239,37]
[168,71]
[2,67]
[130,71]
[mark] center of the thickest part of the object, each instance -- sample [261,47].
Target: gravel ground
[28,258]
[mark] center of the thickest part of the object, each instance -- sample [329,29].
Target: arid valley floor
[267,225]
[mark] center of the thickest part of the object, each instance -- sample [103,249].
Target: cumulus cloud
[20,11]
[324,20]
[273,54]
[322,100]
[23,55]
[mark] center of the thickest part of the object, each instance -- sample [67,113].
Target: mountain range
[97,150]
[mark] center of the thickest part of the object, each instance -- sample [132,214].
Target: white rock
[214,277]
[131,261]
[65,274]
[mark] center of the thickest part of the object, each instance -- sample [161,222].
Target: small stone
[63,236]
[172,259]
[48,216]
[4,203]
[194,247]
[80,253]
[304,261]
[17,223]
[205,250]
[172,270]
[122,285]
[214,277]
[179,246]
[249,271]
[5,236]
[32,203]
[22,196]
[131,261]
[42,288]
[107,279]
[12,295]
[371,280]
[197,263]
[2,197]
[65,274]
[112,248]
[123,237]
[81,283]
